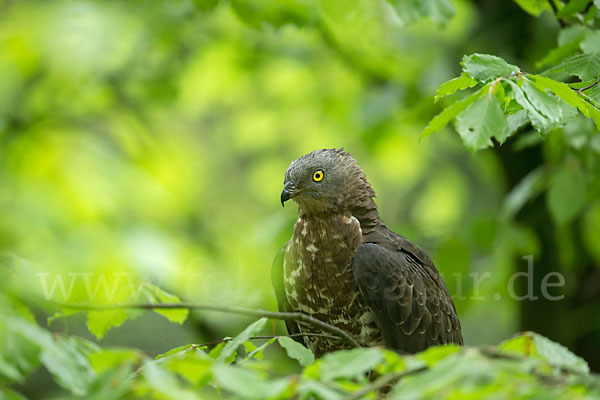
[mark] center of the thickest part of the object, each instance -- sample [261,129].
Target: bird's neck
[368,216]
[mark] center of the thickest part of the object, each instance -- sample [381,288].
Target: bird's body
[345,267]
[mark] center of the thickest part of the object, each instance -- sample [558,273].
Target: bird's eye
[318,175]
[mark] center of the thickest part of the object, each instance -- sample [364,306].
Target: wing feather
[407,296]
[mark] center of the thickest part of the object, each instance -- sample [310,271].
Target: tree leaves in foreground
[509,99]
[526,365]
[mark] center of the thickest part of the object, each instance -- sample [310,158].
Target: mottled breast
[319,280]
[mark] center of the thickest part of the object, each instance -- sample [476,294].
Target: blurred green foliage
[143,146]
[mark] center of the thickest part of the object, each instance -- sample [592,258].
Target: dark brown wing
[278,285]
[409,299]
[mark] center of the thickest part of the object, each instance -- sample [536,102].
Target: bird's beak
[287,192]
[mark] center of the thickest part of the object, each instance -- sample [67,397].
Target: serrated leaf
[485,67]
[440,121]
[462,82]
[563,91]
[297,351]
[586,66]
[160,296]
[99,322]
[539,122]
[534,345]
[567,194]
[550,106]
[243,336]
[480,122]
[348,363]
[558,355]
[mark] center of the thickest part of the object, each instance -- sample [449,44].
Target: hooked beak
[287,192]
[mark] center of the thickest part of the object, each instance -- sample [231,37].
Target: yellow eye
[318,175]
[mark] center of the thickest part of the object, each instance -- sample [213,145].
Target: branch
[266,337]
[588,86]
[284,316]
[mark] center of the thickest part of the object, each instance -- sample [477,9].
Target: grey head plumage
[328,181]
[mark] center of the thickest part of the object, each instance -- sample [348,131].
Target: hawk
[345,267]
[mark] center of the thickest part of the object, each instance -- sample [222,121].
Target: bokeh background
[151,138]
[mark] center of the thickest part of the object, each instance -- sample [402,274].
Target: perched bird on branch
[345,267]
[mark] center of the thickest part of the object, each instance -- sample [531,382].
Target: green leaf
[526,190]
[550,106]
[190,362]
[439,11]
[157,295]
[165,383]
[68,365]
[99,322]
[10,371]
[534,345]
[312,389]
[440,121]
[586,66]
[563,91]
[245,335]
[533,7]
[462,82]
[485,67]
[480,121]
[248,384]
[434,354]
[64,358]
[108,359]
[556,55]
[515,121]
[539,122]
[174,351]
[572,7]
[253,351]
[567,194]
[348,363]
[296,351]
[9,394]
[591,43]
[558,355]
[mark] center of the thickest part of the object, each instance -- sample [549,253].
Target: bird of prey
[345,267]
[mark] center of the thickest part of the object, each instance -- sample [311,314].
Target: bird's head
[327,180]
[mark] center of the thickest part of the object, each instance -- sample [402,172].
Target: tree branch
[284,316]
[266,337]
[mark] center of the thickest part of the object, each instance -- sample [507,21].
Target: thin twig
[267,337]
[285,316]
[591,85]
